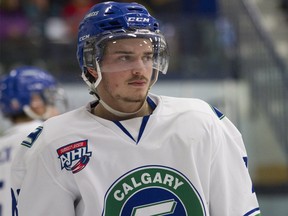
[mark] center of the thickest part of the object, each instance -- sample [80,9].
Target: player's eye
[148,58]
[124,58]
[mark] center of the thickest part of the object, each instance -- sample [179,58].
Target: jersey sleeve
[231,189]
[23,153]
[42,195]
[41,192]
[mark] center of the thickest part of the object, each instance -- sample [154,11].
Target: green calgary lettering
[127,188]
[118,195]
[146,178]
[177,183]
[135,184]
[157,178]
[168,179]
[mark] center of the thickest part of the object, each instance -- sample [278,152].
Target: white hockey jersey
[185,159]
[8,145]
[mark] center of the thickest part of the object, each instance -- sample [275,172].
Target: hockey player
[131,152]
[27,97]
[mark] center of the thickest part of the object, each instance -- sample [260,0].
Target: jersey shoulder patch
[32,137]
[219,114]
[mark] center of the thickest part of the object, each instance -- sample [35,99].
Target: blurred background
[231,53]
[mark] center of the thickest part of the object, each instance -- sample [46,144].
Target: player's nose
[139,66]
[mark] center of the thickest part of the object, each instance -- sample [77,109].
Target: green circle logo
[153,191]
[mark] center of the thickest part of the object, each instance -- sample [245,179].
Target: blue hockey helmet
[17,87]
[110,21]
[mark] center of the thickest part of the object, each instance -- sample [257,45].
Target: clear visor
[141,50]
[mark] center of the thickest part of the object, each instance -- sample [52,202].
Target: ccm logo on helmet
[94,13]
[84,37]
[138,19]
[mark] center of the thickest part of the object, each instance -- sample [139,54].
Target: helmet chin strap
[116,112]
[29,112]
[123,114]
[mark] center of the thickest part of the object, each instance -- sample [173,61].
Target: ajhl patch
[75,156]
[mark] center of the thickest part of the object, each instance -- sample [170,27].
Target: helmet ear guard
[89,60]
[89,54]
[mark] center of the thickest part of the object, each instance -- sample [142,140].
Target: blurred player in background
[131,152]
[28,96]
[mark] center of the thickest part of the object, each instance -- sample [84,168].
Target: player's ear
[92,72]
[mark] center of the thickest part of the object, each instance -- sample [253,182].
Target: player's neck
[102,112]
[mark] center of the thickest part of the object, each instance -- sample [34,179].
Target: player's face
[39,107]
[37,104]
[126,71]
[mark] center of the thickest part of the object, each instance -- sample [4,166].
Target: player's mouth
[138,83]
